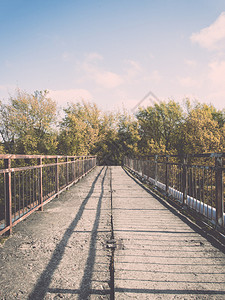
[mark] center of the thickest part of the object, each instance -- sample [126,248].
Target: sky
[114,52]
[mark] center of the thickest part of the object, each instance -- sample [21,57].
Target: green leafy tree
[107,147]
[27,124]
[79,129]
[6,128]
[128,134]
[159,127]
[203,130]
[1,148]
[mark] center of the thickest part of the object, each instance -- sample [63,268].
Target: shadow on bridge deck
[62,253]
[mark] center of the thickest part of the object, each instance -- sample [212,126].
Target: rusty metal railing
[196,181]
[28,182]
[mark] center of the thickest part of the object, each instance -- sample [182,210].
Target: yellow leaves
[202,130]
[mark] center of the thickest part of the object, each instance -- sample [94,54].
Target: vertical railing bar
[23,200]
[19,188]
[33,183]
[203,189]
[30,188]
[184,181]
[40,184]
[5,199]
[156,169]
[56,175]
[8,195]
[36,187]
[207,192]
[25,190]
[195,187]
[14,200]
[211,192]
[199,194]
[67,171]
[219,191]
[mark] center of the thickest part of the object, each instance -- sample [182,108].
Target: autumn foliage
[32,124]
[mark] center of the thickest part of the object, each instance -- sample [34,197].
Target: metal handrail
[25,189]
[200,187]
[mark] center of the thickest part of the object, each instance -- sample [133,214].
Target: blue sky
[114,52]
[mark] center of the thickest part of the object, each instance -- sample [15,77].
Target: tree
[1,148]
[6,128]
[79,129]
[159,127]
[128,134]
[107,147]
[202,130]
[27,123]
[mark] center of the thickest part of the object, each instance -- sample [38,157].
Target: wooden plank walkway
[161,256]
[64,252]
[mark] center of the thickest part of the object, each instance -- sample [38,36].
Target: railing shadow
[85,289]
[41,287]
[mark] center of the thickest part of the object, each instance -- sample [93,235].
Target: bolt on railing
[196,181]
[28,182]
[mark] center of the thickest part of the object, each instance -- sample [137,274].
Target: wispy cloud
[189,82]
[7,90]
[132,69]
[152,77]
[190,63]
[213,36]
[217,74]
[66,56]
[70,95]
[102,77]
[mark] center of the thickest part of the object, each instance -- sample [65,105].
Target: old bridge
[108,236]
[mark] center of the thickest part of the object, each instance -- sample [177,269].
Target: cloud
[217,74]
[103,78]
[66,56]
[213,36]
[71,95]
[93,57]
[190,63]
[133,69]
[107,79]
[188,82]
[7,90]
[152,78]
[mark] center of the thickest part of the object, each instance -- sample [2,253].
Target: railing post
[166,176]
[8,196]
[184,181]
[219,190]
[73,169]
[40,184]
[67,171]
[56,175]
[82,166]
[156,169]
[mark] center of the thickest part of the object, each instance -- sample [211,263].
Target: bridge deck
[62,252]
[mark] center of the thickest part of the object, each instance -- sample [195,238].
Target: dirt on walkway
[61,253]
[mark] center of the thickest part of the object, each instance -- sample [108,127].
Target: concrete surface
[62,253]
[161,257]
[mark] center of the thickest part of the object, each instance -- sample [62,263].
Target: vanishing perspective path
[108,238]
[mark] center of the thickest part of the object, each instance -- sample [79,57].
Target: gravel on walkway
[62,253]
